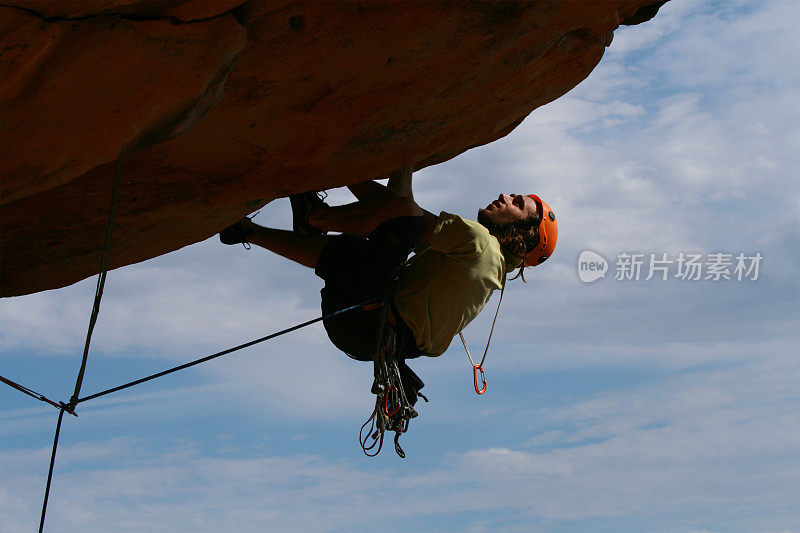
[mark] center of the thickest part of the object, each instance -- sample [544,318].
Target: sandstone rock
[76,94]
[321,95]
[184,10]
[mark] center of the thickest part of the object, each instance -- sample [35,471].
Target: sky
[613,405]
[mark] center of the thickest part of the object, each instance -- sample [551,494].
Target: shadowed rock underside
[218,107]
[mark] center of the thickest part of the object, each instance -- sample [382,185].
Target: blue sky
[658,406]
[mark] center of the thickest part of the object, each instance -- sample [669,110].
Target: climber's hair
[518,238]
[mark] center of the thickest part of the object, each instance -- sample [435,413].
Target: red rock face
[216,108]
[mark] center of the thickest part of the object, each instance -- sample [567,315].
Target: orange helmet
[548,234]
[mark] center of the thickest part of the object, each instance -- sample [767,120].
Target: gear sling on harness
[395,387]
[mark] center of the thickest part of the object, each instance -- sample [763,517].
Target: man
[457,265]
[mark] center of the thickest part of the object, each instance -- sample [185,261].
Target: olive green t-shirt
[445,286]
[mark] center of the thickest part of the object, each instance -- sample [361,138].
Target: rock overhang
[216,108]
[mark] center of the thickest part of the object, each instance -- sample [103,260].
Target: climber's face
[507,209]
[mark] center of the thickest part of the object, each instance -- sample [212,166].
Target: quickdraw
[476,369]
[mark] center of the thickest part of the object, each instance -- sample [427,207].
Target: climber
[457,265]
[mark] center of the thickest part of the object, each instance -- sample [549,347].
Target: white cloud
[644,456]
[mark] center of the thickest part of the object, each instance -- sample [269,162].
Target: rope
[50,472]
[98,294]
[489,340]
[479,367]
[101,281]
[62,406]
[32,393]
[226,352]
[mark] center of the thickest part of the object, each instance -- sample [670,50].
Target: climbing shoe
[237,233]
[302,206]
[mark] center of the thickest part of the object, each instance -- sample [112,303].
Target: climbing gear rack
[393,409]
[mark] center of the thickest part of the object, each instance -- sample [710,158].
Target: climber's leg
[358,269]
[301,249]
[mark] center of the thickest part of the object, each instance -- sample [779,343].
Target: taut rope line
[98,295]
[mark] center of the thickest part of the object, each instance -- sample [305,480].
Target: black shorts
[357,269]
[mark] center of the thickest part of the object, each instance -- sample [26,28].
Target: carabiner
[392,391]
[475,369]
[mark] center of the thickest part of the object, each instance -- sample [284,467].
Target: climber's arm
[362,217]
[399,185]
